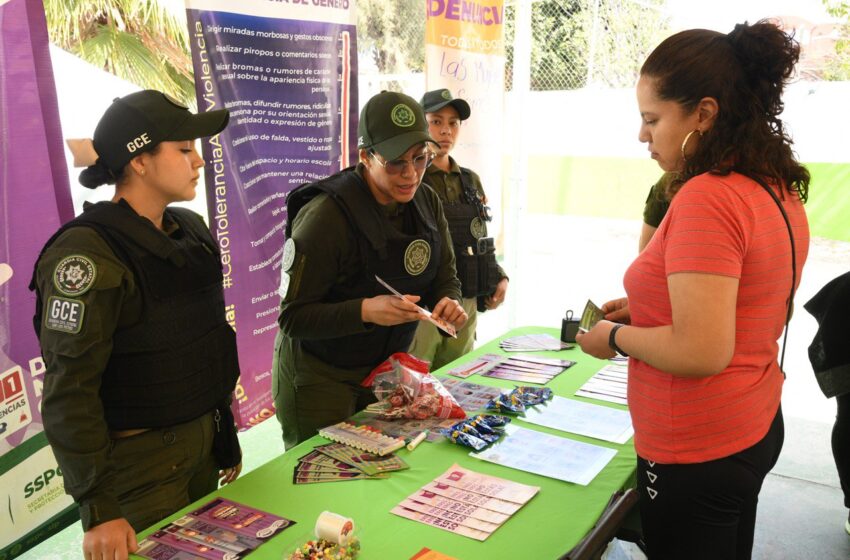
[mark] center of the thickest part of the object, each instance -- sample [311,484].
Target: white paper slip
[547,455]
[585,419]
[601,397]
[441,324]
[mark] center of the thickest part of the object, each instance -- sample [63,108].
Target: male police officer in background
[483,282]
[337,322]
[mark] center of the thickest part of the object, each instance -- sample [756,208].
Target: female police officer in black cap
[130,316]
[337,322]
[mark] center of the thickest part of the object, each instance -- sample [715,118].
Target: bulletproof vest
[179,360]
[397,257]
[475,259]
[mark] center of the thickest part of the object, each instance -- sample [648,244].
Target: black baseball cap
[435,100]
[136,123]
[390,123]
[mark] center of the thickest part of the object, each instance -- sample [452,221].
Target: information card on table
[547,455]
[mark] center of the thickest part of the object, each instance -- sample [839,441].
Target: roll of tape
[334,527]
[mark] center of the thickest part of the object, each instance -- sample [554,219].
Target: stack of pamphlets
[522,367]
[219,530]
[533,342]
[608,384]
[466,503]
[336,462]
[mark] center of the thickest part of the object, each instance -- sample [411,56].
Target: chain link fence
[576,43]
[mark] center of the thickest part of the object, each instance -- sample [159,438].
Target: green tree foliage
[575,42]
[838,66]
[392,33]
[137,40]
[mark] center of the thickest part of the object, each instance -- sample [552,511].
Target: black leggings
[706,510]
[841,444]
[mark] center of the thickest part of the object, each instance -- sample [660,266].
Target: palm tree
[137,40]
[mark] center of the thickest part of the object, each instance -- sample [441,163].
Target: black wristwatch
[612,340]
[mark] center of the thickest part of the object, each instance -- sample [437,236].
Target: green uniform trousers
[429,344]
[308,400]
[161,471]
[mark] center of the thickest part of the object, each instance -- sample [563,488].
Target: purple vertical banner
[35,199]
[287,72]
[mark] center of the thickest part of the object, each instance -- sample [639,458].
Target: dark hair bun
[767,56]
[96,175]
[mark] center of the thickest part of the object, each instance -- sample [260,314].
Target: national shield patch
[416,257]
[477,228]
[402,115]
[74,275]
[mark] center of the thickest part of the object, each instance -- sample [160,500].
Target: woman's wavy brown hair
[745,71]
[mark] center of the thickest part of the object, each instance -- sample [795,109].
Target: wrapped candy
[462,438]
[507,403]
[531,396]
[320,549]
[405,389]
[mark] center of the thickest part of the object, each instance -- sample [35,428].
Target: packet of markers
[358,453]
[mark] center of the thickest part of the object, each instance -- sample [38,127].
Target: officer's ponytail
[99,174]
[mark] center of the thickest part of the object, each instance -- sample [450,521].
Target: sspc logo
[41,481]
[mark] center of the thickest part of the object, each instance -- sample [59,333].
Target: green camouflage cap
[436,99]
[391,123]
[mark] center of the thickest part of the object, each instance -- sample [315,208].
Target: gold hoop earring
[685,142]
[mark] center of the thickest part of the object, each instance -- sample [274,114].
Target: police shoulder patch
[74,275]
[289,252]
[64,315]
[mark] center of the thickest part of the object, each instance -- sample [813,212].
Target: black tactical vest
[179,360]
[397,257]
[475,260]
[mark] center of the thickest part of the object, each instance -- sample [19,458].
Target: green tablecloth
[549,525]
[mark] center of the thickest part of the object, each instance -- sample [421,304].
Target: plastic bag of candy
[405,389]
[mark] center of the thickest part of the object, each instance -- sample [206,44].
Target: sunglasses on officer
[397,166]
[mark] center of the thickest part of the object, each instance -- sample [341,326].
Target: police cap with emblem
[435,100]
[136,123]
[391,123]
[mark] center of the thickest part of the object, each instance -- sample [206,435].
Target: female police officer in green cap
[130,316]
[376,219]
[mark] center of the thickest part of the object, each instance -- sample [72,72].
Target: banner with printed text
[34,200]
[465,52]
[287,72]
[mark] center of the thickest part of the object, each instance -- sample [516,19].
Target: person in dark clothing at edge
[130,317]
[375,219]
[829,355]
[483,282]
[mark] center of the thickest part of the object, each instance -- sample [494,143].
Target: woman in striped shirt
[708,297]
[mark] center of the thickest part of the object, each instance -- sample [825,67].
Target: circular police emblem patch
[447,95]
[416,257]
[477,228]
[74,275]
[288,254]
[283,290]
[402,115]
